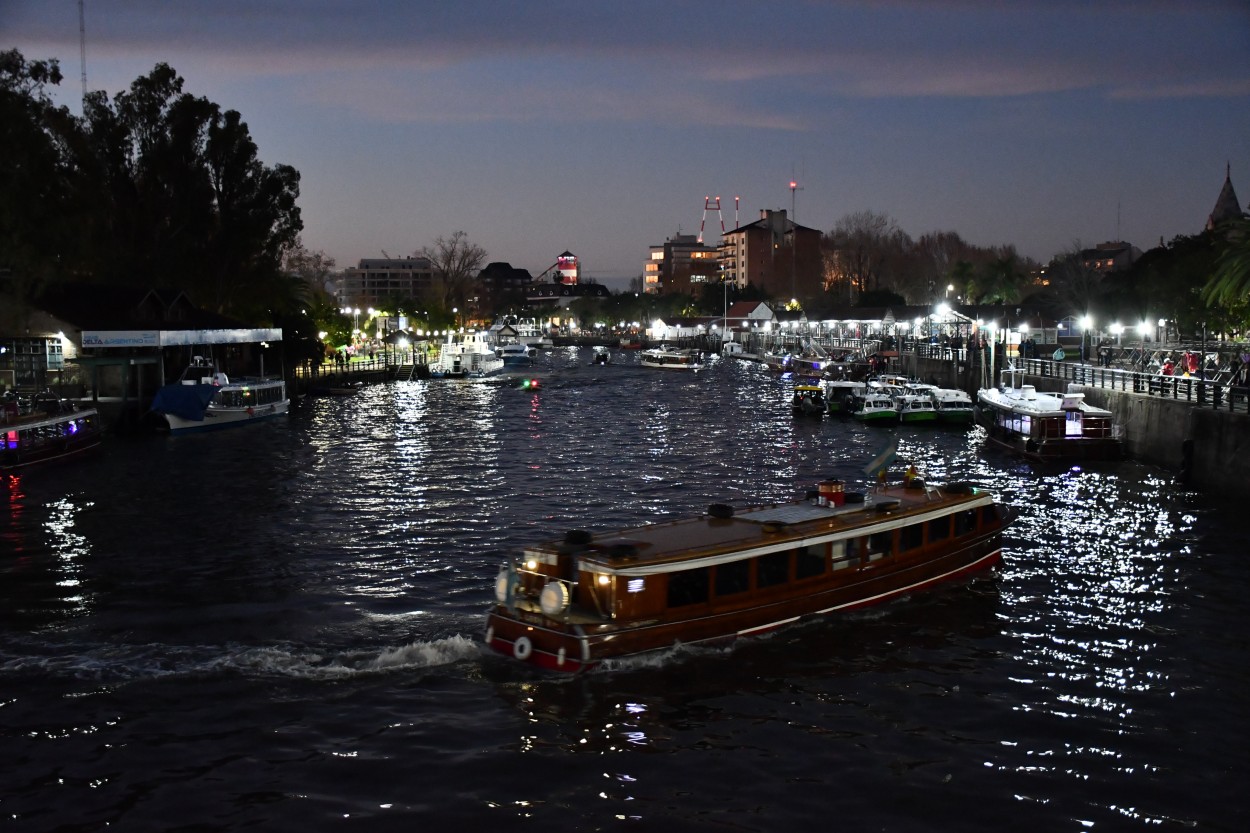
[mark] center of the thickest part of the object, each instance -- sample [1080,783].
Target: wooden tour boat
[570,605]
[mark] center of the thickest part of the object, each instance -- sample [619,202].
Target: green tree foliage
[1165,283]
[1002,280]
[39,179]
[1075,288]
[155,188]
[1229,285]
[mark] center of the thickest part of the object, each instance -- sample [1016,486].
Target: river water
[280,629]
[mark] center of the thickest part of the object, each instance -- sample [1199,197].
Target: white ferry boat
[205,399]
[671,358]
[466,354]
[1046,426]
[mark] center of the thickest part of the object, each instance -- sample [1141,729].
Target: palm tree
[1229,285]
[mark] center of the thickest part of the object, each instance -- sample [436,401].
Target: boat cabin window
[965,522]
[990,515]
[734,577]
[910,537]
[236,398]
[845,553]
[879,545]
[688,587]
[772,569]
[939,529]
[809,561]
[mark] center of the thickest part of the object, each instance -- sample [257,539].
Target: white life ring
[522,648]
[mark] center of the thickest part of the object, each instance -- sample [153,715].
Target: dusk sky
[537,127]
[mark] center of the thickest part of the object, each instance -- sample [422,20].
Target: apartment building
[679,262]
[374,281]
[775,254]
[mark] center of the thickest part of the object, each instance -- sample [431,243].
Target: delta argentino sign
[121,338]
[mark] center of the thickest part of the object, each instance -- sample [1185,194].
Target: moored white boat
[872,405]
[840,395]
[466,354]
[570,605]
[1046,426]
[915,409]
[516,354]
[671,358]
[205,399]
[953,406]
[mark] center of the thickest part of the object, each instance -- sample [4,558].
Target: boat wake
[139,662]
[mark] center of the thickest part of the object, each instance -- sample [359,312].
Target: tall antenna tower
[82,50]
[794,186]
[711,203]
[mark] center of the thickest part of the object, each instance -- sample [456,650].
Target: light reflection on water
[331,576]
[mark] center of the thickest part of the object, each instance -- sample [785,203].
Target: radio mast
[82,52]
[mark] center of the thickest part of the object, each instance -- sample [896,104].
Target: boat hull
[883,416]
[918,418]
[1066,450]
[962,416]
[216,419]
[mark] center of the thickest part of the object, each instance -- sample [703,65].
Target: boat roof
[705,540]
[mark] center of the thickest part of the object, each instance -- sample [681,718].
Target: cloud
[731,63]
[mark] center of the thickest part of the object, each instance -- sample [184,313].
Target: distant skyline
[602,128]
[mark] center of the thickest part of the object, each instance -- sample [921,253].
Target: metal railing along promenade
[1196,390]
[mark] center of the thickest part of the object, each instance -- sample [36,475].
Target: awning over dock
[177,338]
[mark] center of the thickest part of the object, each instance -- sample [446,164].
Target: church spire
[1226,205]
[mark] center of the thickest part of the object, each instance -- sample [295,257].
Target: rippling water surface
[279,629]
